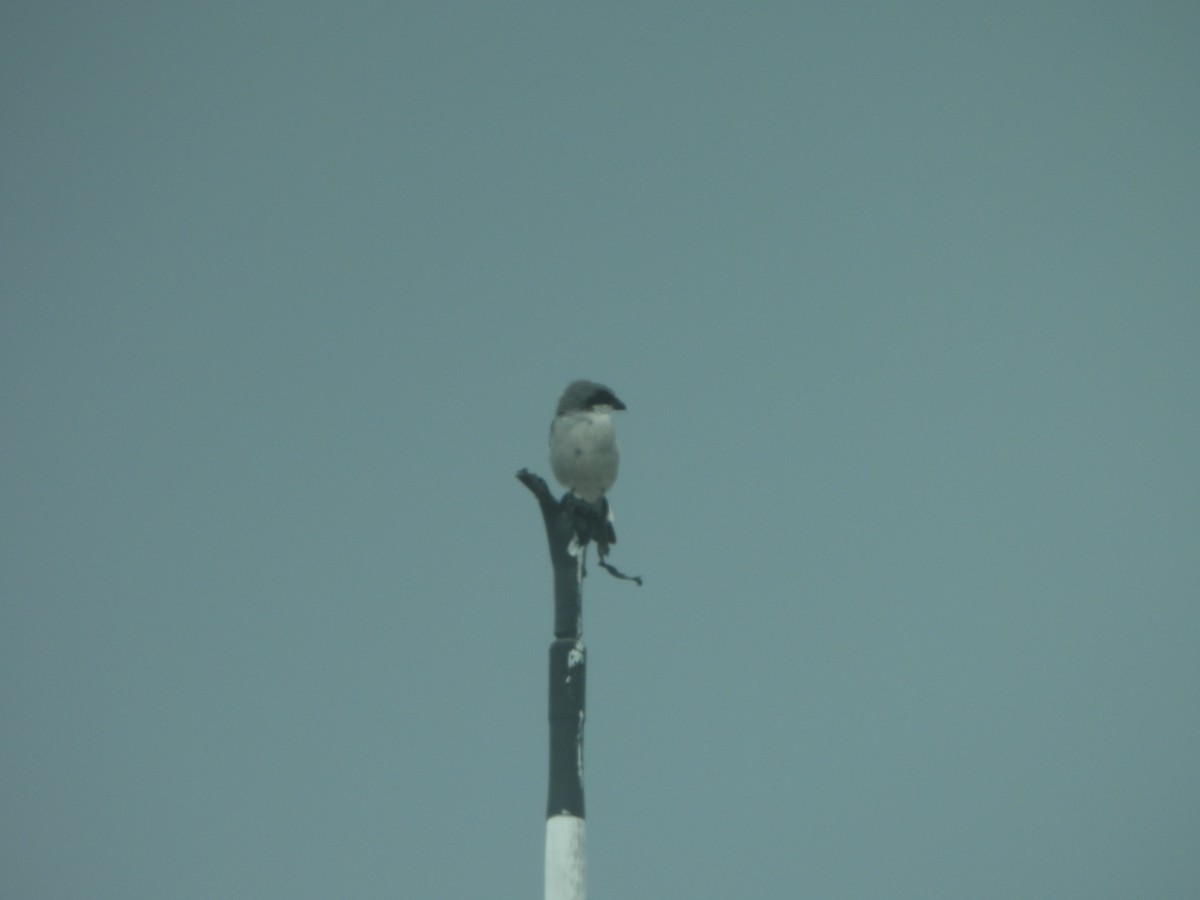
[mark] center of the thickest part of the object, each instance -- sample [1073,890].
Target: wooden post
[566,856]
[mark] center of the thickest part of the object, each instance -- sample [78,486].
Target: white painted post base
[566,859]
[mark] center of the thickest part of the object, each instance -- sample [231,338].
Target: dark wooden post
[566,857]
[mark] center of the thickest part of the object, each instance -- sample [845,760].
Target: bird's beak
[617,404]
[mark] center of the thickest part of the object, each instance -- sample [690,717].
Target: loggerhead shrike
[583,444]
[584,457]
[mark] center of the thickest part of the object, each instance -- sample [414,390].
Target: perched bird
[583,442]
[584,457]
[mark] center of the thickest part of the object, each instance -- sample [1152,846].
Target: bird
[583,442]
[585,459]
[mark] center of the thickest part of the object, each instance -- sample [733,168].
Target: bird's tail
[593,521]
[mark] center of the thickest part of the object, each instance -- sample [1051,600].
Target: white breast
[583,453]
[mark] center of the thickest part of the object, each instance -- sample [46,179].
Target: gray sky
[903,302]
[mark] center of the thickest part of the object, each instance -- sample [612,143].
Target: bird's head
[587,395]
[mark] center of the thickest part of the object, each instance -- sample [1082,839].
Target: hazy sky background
[902,298]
